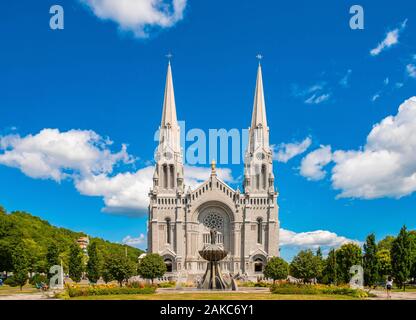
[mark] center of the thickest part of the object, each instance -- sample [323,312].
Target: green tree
[321,261]
[306,266]
[75,263]
[52,255]
[330,275]
[347,255]
[20,258]
[151,266]
[384,263]
[370,261]
[401,259]
[386,243]
[118,267]
[94,263]
[276,269]
[412,236]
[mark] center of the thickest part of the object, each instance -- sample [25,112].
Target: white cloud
[345,81]
[315,94]
[286,151]
[312,239]
[318,98]
[392,38]
[135,241]
[123,193]
[128,192]
[86,158]
[411,70]
[375,97]
[56,155]
[386,166]
[139,16]
[312,165]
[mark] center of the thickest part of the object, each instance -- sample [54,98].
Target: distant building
[83,243]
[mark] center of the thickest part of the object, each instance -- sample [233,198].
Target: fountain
[212,278]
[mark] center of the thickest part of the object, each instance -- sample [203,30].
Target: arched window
[172,176]
[165,176]
[259,230]
[263,176]
[168,231]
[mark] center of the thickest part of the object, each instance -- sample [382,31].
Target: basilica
[180,219]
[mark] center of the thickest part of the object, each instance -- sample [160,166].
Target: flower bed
[287,288]
[99,290]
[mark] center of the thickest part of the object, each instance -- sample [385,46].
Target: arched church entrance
[169,264]
[259,264]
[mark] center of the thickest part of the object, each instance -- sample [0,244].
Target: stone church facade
[180,218]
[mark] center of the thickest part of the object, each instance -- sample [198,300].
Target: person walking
[389,286]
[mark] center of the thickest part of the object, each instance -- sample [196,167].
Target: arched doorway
[259,263]
[169,264]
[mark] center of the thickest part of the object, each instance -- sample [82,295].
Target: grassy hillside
[37,235]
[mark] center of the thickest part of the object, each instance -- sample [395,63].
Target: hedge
[103,290]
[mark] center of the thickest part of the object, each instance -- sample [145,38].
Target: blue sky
[103,78]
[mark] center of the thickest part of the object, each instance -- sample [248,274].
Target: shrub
[287,288]
[261,284]
[170,284]
[100,290]
[10,282]
[38,278]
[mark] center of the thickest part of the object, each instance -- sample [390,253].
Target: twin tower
[180,219]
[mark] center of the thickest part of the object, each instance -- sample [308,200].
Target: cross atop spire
[169,56]
[259,57]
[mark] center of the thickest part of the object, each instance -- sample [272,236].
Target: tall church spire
[259,107]
[169,168]
[169,128]
[258,162]
[169,106]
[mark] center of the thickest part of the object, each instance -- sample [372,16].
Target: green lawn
[216,296]
[7,290]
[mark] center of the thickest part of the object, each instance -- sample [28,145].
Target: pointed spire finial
[213,167]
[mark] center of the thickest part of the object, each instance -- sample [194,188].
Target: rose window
[213,221]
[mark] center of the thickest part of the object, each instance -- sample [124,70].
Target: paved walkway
[381,295]
[23,296]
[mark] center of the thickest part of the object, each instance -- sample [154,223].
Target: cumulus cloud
[139,16]
[135,241]
[312,239]
[391,39]
[128,192]
[286,151]
[86,158]
[312,165]
[56,155]
[386,166]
